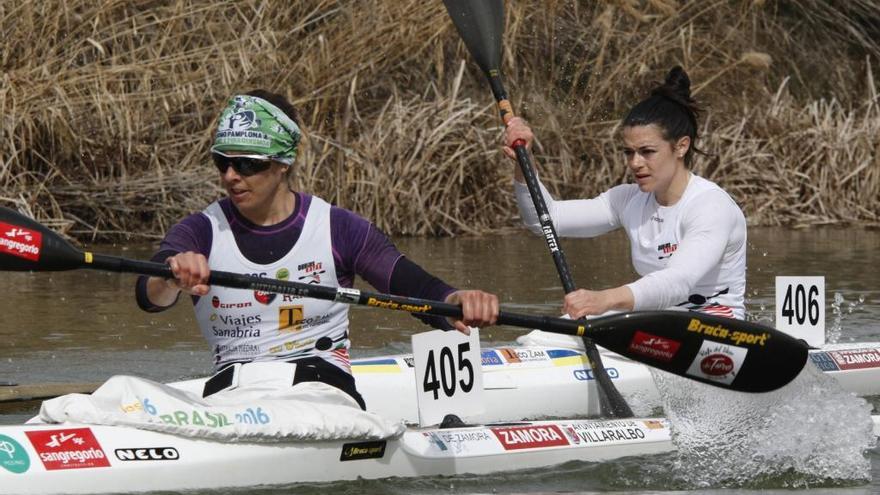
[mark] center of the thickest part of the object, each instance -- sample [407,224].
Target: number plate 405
[448,374]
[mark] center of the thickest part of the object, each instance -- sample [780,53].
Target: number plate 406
[800,308]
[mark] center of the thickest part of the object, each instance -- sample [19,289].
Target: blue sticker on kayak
[490,358]
[374,362]
[563,353]
[824,361]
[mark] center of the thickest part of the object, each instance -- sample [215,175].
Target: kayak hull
[104,459]
[527,381]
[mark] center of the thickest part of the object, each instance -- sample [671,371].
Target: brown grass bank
[107,106]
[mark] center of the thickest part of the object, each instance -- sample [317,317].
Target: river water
[84,326]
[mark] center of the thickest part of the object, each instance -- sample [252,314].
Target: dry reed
[108,106]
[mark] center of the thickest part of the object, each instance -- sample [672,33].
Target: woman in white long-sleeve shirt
[687,236]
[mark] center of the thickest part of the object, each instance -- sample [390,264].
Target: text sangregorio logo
[20,242]
[19,247]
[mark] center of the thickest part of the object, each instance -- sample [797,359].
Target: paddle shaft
[528,172]
[732,354]
[480,25]
[342,294]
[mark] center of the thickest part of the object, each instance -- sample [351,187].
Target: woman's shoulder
[622,194]
[706,198]
[195,222]
[706,190]
[339,214]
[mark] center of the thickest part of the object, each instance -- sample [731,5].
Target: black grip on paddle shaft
[547,228]
[125,265]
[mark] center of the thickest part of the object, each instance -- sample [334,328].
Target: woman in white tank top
[687,236]
[265,228]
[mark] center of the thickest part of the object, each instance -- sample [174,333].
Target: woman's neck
[276,209]
[676,188]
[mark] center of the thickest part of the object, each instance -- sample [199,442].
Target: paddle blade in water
[728,353]
[26,245]
[481,25]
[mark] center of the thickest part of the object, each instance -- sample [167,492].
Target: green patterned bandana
[253,125]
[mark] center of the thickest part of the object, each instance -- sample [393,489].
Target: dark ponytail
[671,108]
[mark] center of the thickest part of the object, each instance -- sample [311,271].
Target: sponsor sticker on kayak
[386,365]
[856,359]
[466,441]
[73,448]
[654,424]
[13,457]
[652,346]
[362,450]
[587,375]
[490,358]
[20,242]
[605,431]
[148,454]
[718,362]
[567,357]
[529,436]
[824,361]
[487,358]
[512,355]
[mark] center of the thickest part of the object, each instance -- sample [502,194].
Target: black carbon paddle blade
[481,25]
[26,245]
[724,352]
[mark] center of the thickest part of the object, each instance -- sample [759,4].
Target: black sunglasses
[243,165]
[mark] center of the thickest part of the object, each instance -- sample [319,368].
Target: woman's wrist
[619,298]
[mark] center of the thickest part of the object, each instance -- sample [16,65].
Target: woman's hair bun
[677,87]
[678,82]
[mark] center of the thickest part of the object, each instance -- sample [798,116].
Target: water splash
[832,334]
[808,433]
[840,307]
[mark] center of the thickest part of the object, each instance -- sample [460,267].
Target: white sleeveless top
[245,325]
[690,255]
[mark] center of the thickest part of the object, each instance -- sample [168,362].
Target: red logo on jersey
[264,297]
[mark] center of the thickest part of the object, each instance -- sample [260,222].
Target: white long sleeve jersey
[689,255]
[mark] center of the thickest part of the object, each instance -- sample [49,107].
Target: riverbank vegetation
[108,106]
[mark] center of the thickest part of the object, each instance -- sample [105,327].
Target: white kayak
[521,381]
[48,459]
[549,377]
